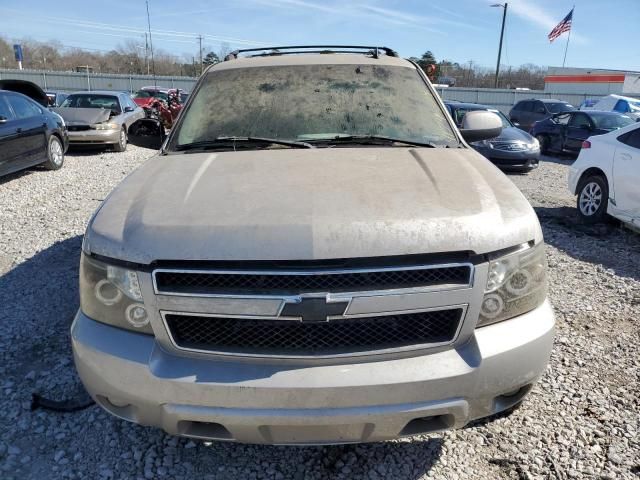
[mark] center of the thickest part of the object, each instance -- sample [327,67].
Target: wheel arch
[590,172]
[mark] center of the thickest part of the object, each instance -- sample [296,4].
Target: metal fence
[72,81]
[504,99]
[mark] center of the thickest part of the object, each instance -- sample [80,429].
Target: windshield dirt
[314,103]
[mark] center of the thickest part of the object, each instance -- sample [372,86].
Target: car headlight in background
[516,284]
[482,143]
[535,144]
[111,294]
[105,126]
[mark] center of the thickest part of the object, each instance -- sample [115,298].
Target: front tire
[121,146]
[55,154]
[593,199]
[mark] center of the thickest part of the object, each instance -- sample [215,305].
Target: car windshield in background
[608,121]
[107,102]
[315,104]
[151,94]
[560,107]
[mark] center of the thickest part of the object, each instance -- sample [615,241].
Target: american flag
[562,27]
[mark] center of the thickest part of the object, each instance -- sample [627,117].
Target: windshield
[611,122]
[108,102]
[151,94]
[559,107]
[314,103]
[634,106]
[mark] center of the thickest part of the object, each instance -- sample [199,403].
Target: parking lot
[581,420]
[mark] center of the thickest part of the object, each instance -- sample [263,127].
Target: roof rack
[298,49]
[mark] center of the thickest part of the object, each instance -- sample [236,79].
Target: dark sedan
[30,134]
[565,132]
[514,149]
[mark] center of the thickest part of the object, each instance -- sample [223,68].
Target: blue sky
[459,30]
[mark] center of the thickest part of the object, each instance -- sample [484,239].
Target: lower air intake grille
[290,337]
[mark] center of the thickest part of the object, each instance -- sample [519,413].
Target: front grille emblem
[314,309]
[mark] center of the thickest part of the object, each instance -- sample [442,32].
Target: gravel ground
[581,420]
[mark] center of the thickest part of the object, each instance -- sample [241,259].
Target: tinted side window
[23,108]
[518,107]
[631,138]
[5,111]
[538,107]
[579,120]
[622,106]
[527,106]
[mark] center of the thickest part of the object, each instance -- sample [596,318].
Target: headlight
[482,143]
[111,294]
[535,145]
[105,126]
[517,283]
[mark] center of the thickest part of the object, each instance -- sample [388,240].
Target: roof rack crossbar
[298,49]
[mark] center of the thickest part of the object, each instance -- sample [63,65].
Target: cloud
[536,15]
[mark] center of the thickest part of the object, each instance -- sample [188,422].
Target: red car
[161,103]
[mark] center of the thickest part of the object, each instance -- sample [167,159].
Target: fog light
[492,305]
[137,316]
[107,292]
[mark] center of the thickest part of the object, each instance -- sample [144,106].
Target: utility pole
[153,63]
[200,50]
[504,18]
[146,52]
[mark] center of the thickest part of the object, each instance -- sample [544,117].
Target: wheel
[544,143]
[121,146]
[55,154]
[593,198]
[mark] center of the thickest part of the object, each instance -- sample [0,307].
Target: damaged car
[99,118]
[315,256]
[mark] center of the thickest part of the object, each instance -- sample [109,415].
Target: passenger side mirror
[480,125]
[147,133]
[129,109]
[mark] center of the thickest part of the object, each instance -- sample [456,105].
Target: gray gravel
[581,420]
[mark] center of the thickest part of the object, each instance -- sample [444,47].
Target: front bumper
[94,137]
[527,159]
[133,377]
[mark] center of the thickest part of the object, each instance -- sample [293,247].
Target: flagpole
[564,60]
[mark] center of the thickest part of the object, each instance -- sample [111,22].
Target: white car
[616,103]
[606,175]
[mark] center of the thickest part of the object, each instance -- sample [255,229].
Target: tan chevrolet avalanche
[314,256]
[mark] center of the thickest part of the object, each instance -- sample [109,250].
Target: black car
[30,134]
[565,132]
[514,149]
[527,112]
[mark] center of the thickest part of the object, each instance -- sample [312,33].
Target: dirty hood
[311,204]
[83,116]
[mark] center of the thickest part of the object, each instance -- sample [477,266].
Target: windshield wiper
[372,140]
[226,142]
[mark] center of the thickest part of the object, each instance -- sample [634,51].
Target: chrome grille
[510,146]
[196,282]
[295,338]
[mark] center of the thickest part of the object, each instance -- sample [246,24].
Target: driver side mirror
[128,109]
[480,125]
[147,133]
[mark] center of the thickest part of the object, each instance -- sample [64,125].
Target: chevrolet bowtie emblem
[314,309]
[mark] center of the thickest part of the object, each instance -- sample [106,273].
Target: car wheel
[544,143]
[121,146]
[593,198]
[55,154]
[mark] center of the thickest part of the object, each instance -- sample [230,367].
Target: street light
[504,6]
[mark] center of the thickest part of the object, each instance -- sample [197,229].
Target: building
[592,81]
